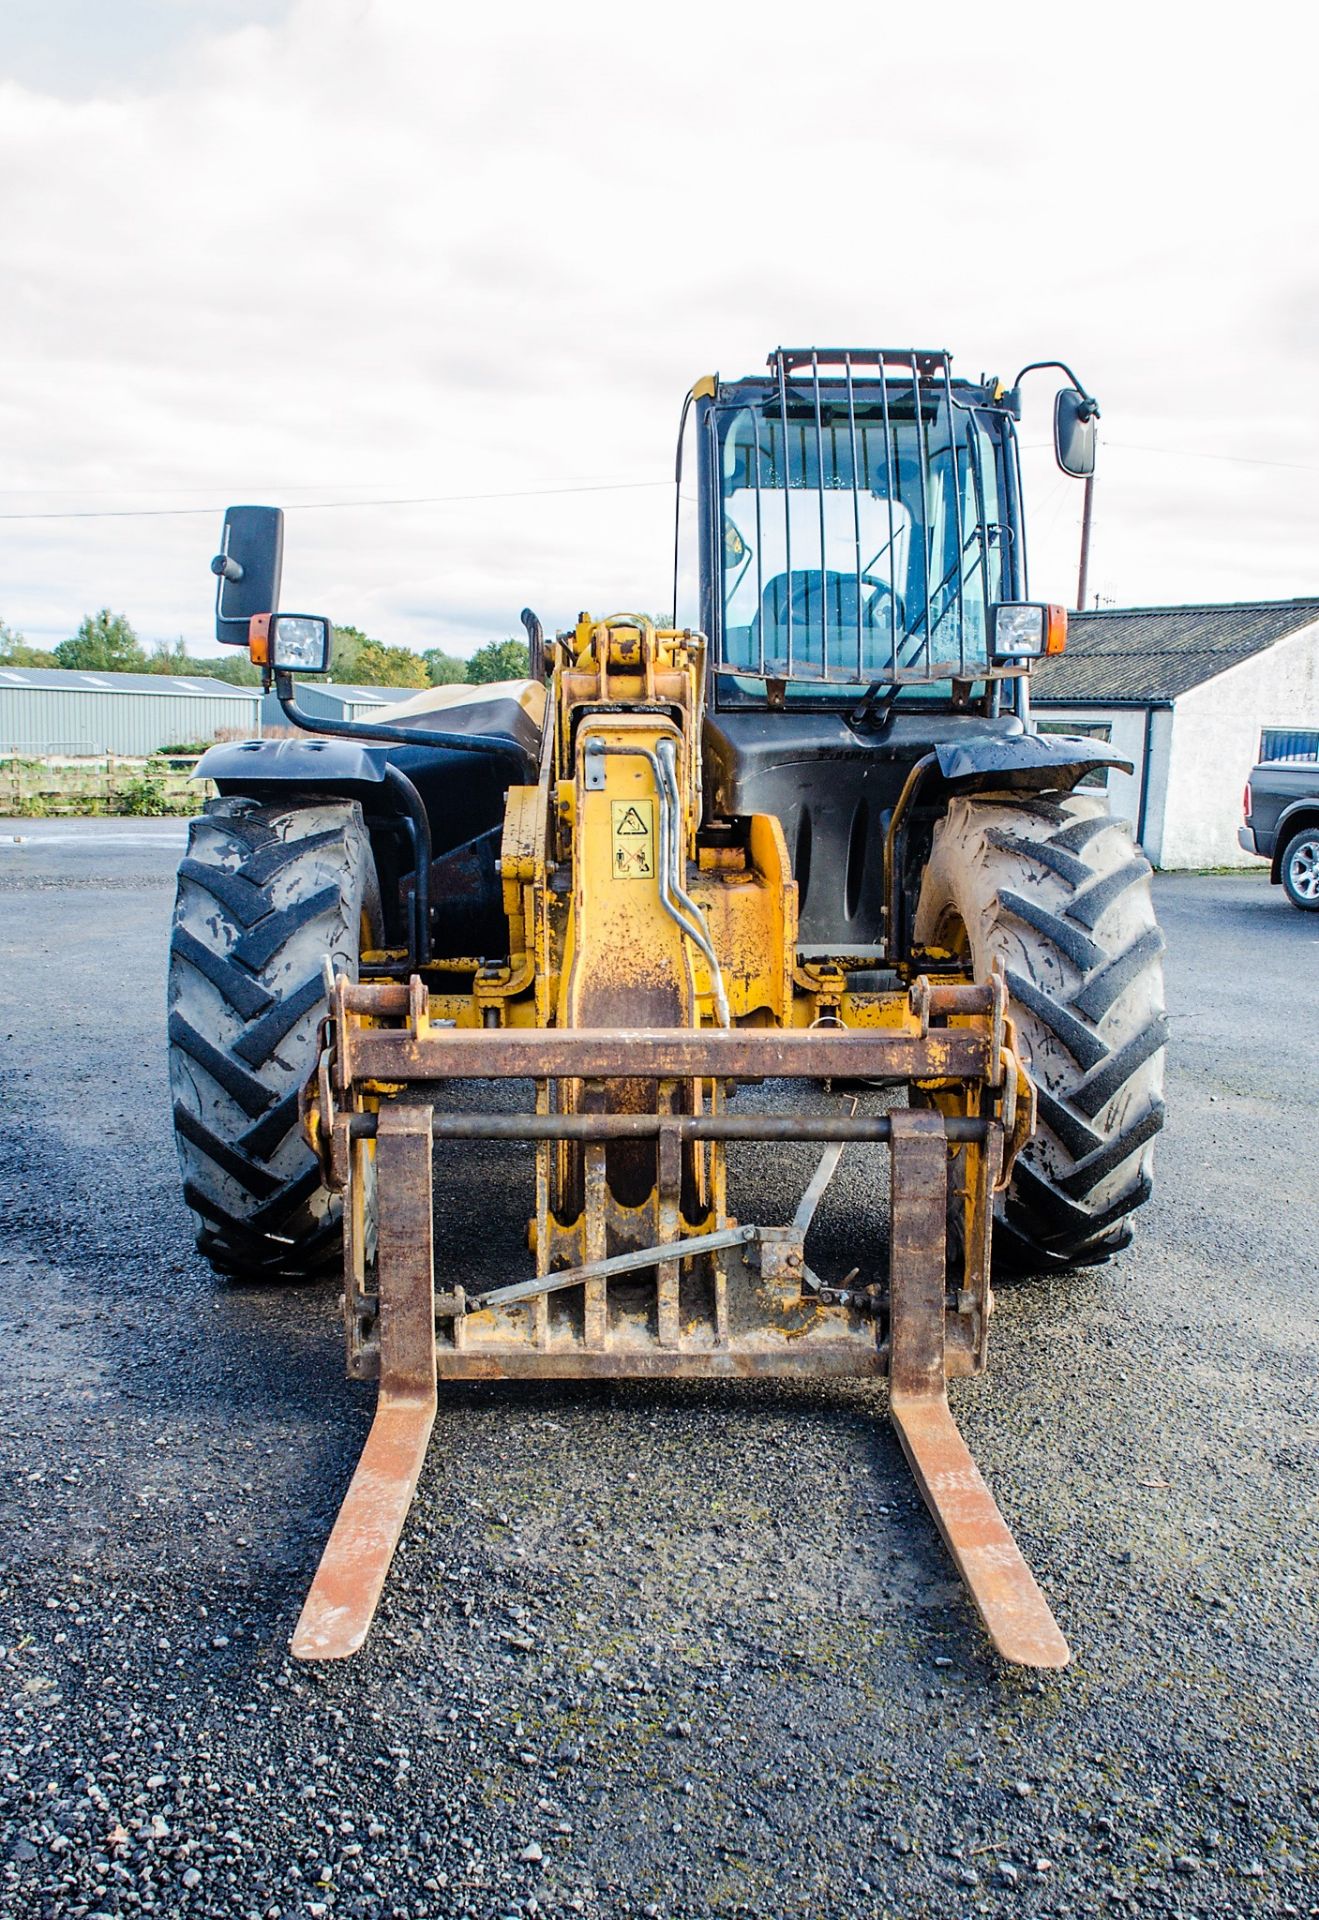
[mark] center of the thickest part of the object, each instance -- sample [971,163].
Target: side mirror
[247,570]
[1074,416]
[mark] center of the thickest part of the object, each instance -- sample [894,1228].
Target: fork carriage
[672,1287]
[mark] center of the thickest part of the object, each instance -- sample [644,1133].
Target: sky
[436,280]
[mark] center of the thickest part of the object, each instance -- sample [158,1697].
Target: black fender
[1023,762]
[459,793]
[254,767]
[266,770]
[463,824]
[1300,813]
[986,763]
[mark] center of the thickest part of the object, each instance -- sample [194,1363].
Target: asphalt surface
[674,1650]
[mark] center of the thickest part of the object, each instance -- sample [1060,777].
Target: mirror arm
[1090,407]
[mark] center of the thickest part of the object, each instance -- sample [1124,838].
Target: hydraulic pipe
[415,810]
[645,1126]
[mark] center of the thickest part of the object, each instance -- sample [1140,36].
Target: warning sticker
[634,839]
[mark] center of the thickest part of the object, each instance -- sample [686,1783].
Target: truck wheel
[1057,892]
[1300,869]
[264,895]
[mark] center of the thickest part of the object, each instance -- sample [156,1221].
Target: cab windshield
[857,544]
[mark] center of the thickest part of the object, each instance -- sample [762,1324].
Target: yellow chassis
[652,969]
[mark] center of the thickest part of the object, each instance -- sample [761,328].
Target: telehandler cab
[805,830]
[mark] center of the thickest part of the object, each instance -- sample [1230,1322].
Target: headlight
[1023,630]
[299,643]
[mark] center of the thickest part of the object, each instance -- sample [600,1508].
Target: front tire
[265,894]
[1299,869]
[1059,895]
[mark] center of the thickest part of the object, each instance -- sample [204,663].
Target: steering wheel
[884,587]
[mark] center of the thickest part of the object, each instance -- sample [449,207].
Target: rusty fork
[341,1605]
[920,1351]
[1007,1597]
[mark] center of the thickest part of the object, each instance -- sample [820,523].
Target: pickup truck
[1282,826]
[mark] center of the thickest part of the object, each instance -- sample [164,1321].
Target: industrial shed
[1192,696]
[334,700]
[49,711]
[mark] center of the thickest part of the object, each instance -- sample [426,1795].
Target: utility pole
[1083,579]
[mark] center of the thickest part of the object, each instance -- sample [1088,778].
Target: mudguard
[345,767]
[1023,762]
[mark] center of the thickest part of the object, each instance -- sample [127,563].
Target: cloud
[343,250]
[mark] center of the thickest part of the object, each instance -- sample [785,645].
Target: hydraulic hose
[419,832]
[678,904]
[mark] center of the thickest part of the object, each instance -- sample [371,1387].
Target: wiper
[869,707]
[947,581]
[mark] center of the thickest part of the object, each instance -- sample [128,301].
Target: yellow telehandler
[800,829]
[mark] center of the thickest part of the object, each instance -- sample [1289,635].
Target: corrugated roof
[383,695]
[1139,654]
[66,680]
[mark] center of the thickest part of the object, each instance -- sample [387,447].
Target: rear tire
[1299,869]
[1057,892]
[264,895]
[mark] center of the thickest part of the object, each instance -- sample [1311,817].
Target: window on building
[1289,743]
[1099,730]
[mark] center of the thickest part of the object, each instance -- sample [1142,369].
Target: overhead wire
[322,506]
[1191,453]
[522,493]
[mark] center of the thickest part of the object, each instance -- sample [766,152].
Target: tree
[233,667]
[499,660]
[15,651]
[170,658]
[358,660]
[345,645]
[104,643]
[379,665]
[445,669]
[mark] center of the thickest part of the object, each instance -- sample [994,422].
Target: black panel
[846,781]
[502,716]
[463,793]
[467,900]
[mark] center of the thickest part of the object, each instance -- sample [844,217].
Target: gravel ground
[674,1650]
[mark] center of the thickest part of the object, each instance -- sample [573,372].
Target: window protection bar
[957,495]
[856,505]
[892,531]
[922,462]
[929,376]
[760,555]
[787,506]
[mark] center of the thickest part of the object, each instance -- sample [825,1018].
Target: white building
[55,711]
[1188,695]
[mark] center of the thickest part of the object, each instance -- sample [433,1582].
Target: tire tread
[265,893]
[1059,894]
